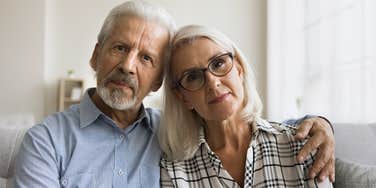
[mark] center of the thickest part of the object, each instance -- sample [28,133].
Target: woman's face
[220,97]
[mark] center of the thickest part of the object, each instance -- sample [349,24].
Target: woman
[213,135]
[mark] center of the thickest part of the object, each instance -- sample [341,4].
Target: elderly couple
[210,133]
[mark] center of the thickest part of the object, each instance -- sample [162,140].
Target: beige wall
[72,27]
[21,57]
[64,40]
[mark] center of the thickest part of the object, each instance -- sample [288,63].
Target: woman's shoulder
[203,153]
[278,135]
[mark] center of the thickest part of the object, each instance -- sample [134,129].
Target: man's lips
[119,83]
[219,98]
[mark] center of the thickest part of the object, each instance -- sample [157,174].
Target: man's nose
[128,63]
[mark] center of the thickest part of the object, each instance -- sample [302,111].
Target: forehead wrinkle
[127,30]
[151,32]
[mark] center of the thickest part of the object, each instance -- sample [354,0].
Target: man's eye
[120,48]
[146,58]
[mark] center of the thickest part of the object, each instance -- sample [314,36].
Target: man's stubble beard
[116,98]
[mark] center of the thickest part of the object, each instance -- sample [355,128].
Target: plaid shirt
[270,163]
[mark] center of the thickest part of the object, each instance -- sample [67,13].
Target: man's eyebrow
[120,42]
[153,53]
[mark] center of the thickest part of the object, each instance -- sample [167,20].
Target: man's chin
[122,106]
[116,98]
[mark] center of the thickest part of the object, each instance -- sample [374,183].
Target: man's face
[129,63]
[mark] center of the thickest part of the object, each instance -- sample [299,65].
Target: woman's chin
[220,114]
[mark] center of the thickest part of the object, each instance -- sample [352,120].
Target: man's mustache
[122,77]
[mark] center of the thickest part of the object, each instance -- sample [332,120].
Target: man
[108,140]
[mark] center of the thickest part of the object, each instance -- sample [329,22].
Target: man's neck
[123,118]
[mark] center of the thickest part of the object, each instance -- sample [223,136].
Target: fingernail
[333,179]
[300,159]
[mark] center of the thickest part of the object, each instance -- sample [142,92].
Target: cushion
[350,174]
[3,182]
[12,130]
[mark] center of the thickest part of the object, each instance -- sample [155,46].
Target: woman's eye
[120,48]
[217,64]
[193,76]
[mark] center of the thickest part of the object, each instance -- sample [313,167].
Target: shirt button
[64,181]
[121,137]
[120,172]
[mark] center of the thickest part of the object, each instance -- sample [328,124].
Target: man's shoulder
[64,118]
[57,123]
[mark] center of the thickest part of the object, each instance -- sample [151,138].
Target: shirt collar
[266,126]
[89,112]
[144,118]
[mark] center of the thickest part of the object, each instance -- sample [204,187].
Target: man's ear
[158,81]
[94,57]
[181,97]
[157,84]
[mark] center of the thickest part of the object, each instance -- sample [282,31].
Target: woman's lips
[219,98]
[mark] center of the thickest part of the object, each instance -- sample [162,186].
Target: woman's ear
[238,67]
[181,97]
[94,57]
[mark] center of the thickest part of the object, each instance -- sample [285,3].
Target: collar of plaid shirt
[270,162]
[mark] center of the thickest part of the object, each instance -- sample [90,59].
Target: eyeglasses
[194,79]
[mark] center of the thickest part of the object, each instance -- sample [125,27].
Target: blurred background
[310,56]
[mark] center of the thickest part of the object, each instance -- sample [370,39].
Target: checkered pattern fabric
[271,162]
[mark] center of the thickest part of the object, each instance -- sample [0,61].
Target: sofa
[12,130]
[356,155]
[355,151]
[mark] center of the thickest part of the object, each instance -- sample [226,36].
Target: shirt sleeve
[325,184]
[36,164]
[296,122]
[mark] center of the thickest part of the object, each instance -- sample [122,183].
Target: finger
[327,171]
[322,159]
[303,129]
[312,144]
[332,173]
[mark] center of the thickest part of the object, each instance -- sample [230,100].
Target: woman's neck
[230,133]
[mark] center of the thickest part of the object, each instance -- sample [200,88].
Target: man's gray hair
[179,128]
[138,8]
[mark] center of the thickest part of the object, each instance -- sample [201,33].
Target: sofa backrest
[356,142]
[12,130]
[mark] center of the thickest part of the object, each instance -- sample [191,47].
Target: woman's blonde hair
[179,128]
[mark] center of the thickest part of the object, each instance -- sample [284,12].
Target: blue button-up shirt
[82,147]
